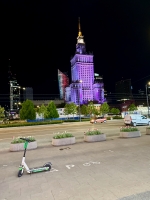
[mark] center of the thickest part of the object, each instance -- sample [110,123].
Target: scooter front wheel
[20,173]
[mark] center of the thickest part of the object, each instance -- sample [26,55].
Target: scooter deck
[41,167]
[38,169]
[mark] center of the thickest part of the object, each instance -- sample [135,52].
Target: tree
[42,110]
[115,111]
[91,109]
[132,107]
[70,109]
[104,108]
[84,110]
[51,111]
[2,110]
[66,109]
[27,111]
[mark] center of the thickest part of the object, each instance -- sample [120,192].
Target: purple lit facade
[83,88]
[98,92]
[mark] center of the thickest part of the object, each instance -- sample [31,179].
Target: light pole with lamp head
[148,84]
[80,81]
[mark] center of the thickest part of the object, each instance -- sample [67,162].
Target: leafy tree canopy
[132,107]
[104,108]
[27,111]
[2,112]
[115,111]
[51,111]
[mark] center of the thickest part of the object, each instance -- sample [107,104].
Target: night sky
[40,37]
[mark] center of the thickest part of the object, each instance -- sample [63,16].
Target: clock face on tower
[80,40]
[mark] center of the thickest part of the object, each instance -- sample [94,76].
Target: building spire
[79,33]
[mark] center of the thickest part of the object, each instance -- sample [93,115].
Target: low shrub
[30,124]
[128,129]
[85,119]
[17,140]
[71,120]
[76,120]
[62,135]
[93,132]
[108,118]
[117,117]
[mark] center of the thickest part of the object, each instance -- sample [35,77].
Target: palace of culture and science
[84,86]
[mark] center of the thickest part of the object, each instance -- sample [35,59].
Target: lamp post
[148,84]
[80,81]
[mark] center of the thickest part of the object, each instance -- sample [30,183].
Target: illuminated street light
[80,81]
[147,86]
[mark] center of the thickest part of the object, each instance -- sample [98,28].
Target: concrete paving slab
[108,170]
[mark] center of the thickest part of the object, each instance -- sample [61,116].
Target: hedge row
[74,120]
[39,123]
[30,124]
[117,117]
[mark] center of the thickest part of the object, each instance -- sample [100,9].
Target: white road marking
[69,166]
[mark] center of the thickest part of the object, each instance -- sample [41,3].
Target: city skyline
[116,32]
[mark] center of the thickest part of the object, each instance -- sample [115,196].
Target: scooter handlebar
[26,139]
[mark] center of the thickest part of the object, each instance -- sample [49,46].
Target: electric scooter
[45,167]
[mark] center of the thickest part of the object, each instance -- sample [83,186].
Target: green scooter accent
[45,167]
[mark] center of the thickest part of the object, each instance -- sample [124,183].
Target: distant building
[14,96]
[63,82]
[123,90]
[46,102]
[28,93]
[83,88]
[98,89]
[67,94]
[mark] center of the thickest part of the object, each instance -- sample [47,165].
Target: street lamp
[80,81]
[148,84]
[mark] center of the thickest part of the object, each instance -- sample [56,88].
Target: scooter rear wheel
[20,173]
[48,165]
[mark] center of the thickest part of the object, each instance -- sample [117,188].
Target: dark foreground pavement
[116,169]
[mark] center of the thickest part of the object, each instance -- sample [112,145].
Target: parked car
[98,120]
[136,119]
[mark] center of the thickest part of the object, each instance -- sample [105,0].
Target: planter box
[147,131]
[63,141]
[94,138]
[20,146]
[131,134]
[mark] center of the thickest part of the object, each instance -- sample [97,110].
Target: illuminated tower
[82,72]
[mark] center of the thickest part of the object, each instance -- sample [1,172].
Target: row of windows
[84,59]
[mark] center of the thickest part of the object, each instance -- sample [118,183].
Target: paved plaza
[116,169]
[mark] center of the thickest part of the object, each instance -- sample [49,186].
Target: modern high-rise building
[63,82]
[28,93]
[83,88]
[14,96]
